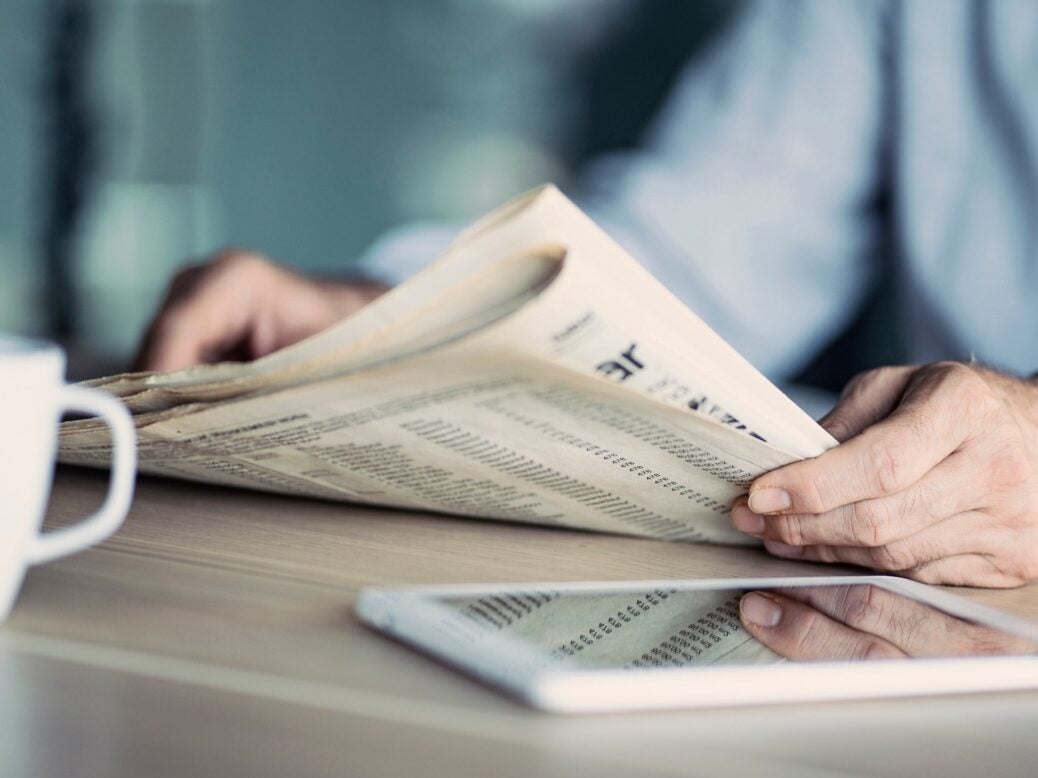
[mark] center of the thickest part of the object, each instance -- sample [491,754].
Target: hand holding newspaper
[534,373]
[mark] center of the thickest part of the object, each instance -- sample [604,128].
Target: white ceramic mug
[33,395]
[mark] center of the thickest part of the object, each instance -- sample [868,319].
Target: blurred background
[138,134]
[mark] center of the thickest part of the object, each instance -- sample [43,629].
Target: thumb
[868,398]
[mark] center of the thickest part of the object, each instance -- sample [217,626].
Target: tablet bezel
[414,614]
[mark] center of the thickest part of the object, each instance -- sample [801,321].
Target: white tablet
[607,646]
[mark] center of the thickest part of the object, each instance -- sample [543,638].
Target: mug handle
[95,528]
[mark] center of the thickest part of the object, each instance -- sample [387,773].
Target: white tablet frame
[412,615]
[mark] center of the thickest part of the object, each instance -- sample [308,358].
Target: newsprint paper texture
[534,373]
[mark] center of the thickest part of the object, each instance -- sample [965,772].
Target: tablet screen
[663,626]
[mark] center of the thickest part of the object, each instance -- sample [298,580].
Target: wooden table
[214,635]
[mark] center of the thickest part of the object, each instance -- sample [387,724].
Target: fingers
[963,550]
[972,570]
[909,626]
[207,315]
[931,421]
[875,522]
[960,534]
[241,306]
[798,631]
[182,337]
[941,488]
[145,357]
[916,628]
[868,398]
[876,611]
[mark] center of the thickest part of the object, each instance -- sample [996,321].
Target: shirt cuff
[401,252]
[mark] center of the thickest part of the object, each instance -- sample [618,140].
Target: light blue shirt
[753,196]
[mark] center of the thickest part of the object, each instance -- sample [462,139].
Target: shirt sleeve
[753,196]
[403,251]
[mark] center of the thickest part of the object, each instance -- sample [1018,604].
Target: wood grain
[214,635]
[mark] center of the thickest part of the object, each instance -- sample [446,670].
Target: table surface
[214,635]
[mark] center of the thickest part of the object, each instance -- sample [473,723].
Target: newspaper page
[567,630]
[479,278]
[474,433]
[557,384]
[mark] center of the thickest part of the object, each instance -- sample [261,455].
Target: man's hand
[937,479]
[832,623]
[241,306]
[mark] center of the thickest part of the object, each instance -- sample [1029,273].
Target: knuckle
[981,405]
[973,570]
[884,374]
[809,633]
[1029,565]
[997,580]
[790,529]
[969,391]
[871,523]
[871,648]
[885,468]
[927,574]
[864,382]
[1010,466]
[823,553]
[1020,568]
[828,554]
[863,609]
[873,376]
[806,482]
[951,372]
[859,381]
[237,260]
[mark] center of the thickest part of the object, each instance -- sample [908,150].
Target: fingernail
[760,610]
[747,521]
[770,500]
[781,549]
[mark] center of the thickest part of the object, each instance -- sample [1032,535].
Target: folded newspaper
[534,373]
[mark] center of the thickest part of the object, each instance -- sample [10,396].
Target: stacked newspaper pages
[534,373]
